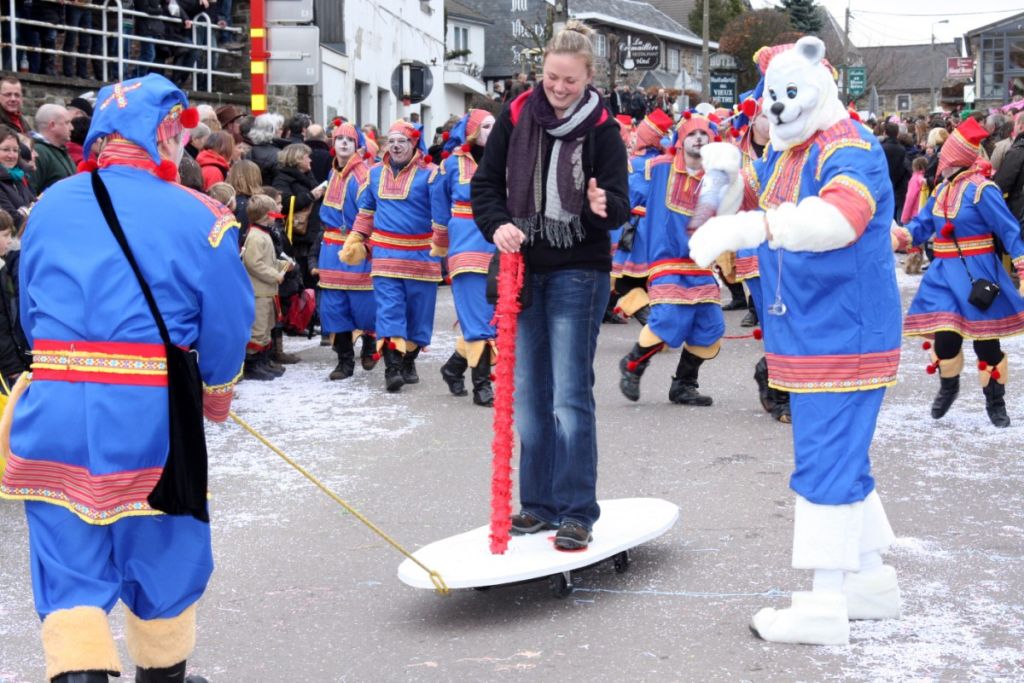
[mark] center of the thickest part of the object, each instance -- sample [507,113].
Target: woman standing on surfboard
[552,184]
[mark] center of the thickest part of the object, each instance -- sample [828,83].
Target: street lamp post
[931,70]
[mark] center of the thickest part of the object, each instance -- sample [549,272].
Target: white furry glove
[721,156]
[812,225]
[720,234]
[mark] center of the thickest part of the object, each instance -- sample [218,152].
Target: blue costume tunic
[685,298]
[976,208]
[634,263]
[840,332]
[346,292]
[469,254]
[90,434]
[394,214]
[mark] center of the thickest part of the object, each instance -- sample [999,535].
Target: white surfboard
[465,560]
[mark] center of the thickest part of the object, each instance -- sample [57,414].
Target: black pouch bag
[983,293]
[181,489]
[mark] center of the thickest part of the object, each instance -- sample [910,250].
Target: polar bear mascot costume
[820,210]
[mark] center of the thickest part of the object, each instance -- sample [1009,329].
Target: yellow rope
[439,585]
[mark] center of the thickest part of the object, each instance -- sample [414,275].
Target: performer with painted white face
[347,306]
[685,307]
[394,215]
[457,236]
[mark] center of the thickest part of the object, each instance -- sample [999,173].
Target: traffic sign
[294,55]
[856,80]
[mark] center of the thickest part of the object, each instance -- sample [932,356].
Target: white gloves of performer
[721,156]
[744,230]
[812,225]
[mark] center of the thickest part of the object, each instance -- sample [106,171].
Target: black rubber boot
[632,367]
[764,392]
[170,674]
[995,405]
[739,297]
[750,319]
[346,356]
[684,384]
[393,379]
[409,367]
[278,354]
[483,392]
[256,369]
[82,677]
[275,369]
[453,372]
[368,353]
[780,406]
[949,389]
[642,314]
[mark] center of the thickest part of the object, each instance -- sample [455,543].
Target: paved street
[303,592]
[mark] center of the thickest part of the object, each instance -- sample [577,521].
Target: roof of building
[907,67]
[460,11]
[1015,21]
[678,10]
[631,14]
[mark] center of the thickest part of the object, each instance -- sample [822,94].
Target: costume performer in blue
[630,266]
[394,216]
[685,298]
[347,307]
[965,214]
[832,332]
[90,434]
[457,236]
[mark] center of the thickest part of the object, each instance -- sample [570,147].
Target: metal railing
[115,65]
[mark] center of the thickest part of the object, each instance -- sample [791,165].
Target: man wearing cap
[230,119]
[630,266]
[964,214]
[90,436]
[685,308]
[346,291]
[395,219]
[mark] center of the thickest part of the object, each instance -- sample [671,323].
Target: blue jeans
[555,410]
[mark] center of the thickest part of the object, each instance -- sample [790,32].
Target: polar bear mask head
[800,96]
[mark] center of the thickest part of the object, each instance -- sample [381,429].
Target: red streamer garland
[506,314]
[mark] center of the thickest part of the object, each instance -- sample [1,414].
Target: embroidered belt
[639,211]
[333,236]
[462,210]
[403,241]
[682,266]
[971,246]
[100,362]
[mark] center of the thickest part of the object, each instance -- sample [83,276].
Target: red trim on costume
[462,210]
[344,279]
[363,224]
[920,324]
[333,236]
[840,372]
[126,363]
[469,262]
[407,268]
[216,406]
[747,267]
[677,266]
[385,239]
[686,296]
[970,246]
[855,207]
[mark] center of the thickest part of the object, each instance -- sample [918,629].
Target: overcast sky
[901,22]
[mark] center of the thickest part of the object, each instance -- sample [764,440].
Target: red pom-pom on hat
[687,115]
[670,151]
[749,107]
[415,135]
[758,334]
[167,170]
[466,147]
[87,166]
[367,155]
[336,122]
[717,138]
[189,117]
[926,345]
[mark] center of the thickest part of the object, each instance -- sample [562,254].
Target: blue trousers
[344,310]
[405,308]
[832,435]
[158,565]
[555,409]
[470,293]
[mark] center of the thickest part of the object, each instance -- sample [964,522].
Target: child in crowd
[266,271]
[917,197]
[15,357]
[223,193]
[292,285]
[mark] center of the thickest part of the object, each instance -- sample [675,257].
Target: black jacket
[265,156]
[1010,177]
[291,182]
[14,352]
[604,158]
[321,158]
[896,156]
[14,194]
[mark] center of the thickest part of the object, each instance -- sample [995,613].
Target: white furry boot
[873,592]
[815,618]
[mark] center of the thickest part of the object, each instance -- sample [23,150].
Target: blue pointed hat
[141,110]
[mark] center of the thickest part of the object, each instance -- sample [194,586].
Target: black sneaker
[525,523]
[572,536]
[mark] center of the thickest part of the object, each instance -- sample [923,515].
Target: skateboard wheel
[621,562]
[560,586]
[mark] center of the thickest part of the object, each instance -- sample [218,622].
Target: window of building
[902,103]
[600,45]
[673,60]
[993,66]
[881,105]
[461,41]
